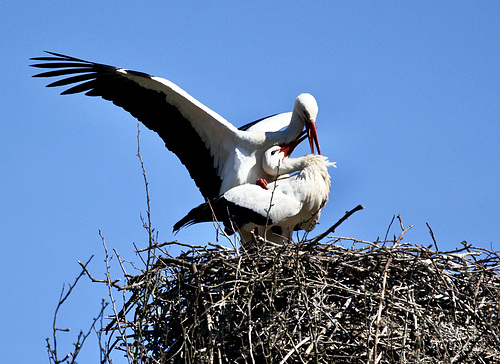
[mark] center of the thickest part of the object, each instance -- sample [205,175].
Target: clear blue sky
[409,100]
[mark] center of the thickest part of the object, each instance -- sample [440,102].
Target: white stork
[291,202]
[217,155]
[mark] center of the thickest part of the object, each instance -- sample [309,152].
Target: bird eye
[273,152]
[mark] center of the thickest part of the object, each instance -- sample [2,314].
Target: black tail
[216,209]
[233,216]
[201,213]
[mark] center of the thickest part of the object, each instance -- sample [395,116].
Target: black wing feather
[148,106]
[89,85]
[232,215]
[74,79]
[62,72]
[247,126]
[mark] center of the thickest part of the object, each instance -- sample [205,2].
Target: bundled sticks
[314,302]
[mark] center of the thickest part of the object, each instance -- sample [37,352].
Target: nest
[313,302]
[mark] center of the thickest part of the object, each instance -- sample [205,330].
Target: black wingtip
[58,57]
[54,57]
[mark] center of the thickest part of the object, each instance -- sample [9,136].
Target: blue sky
[409,108]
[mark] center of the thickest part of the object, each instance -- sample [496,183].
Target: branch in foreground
[52,350]
[331,230]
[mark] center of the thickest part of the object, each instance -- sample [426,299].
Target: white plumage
[217,155]
[291,202]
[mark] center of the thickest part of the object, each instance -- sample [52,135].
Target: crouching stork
[290,202]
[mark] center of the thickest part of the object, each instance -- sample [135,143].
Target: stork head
[273,159]
[306,108]
[306,104]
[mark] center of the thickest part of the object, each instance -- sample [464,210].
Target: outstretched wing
[200,137]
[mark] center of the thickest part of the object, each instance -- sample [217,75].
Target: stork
[217,155]
[290,202]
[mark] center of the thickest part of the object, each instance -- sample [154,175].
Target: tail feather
[230,214]
[201,213]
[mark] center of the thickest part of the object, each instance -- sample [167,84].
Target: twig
[389,228]
[295,348]
[432,236]
[336,225]
[109,284]
[380,307]
[268,212]
[53,351]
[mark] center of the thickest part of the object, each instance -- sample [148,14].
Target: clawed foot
[262,183]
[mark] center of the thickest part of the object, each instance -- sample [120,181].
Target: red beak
[288,148]
[312,135]
[309,133]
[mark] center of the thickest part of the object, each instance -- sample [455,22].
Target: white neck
[289,133]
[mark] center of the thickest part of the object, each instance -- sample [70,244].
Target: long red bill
[312,135]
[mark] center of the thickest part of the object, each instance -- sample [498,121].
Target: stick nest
[314,302]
